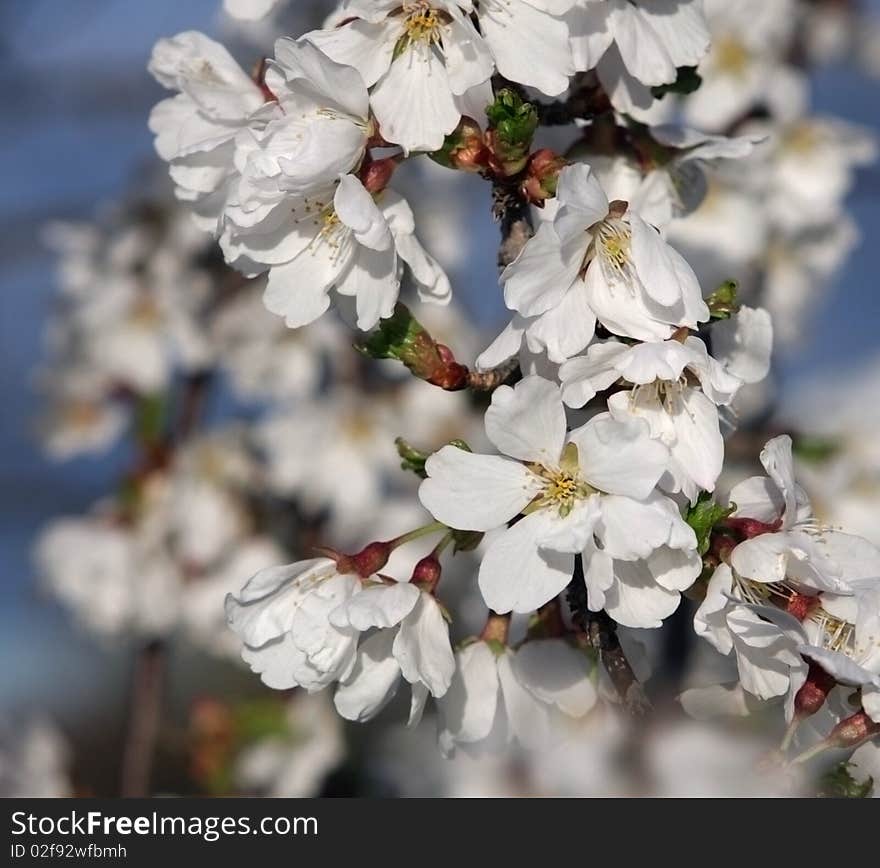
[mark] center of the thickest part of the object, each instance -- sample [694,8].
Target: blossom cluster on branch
[637,156]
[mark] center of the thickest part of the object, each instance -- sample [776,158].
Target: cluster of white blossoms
[776,221]
[504,577]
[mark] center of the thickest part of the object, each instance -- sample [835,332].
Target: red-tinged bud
[542,175]
[811,697]
[426,573]
[365,563]
[854,730]
[375,174]
[749,528]
[449,375]
[258,74]
[800,605]
[465,148]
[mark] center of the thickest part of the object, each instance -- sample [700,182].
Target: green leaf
[395,337]
[687,80]
[703,516]
[411,458]
[513,122]
[815,449]
[840,784]
[465,540]
[404,338]
[723,303]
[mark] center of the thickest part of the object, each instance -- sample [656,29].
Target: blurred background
[75,142]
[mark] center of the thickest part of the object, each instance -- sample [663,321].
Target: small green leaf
[513,122]
[815,450]
[395,337]
[465,540]
[404,338]
[687,80]
[840,784]
[411,458]
[723,303]
[703,516]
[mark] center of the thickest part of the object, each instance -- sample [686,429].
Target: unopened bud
[426,573]
[375,174]
[464,148]
[365,563]
[854,730]
[542,176]
[812,695]
[404,338]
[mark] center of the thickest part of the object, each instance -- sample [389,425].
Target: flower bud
[375,174]
[542,174]
[812,695]
[464,148]
[365,563]
[854,730]
[426,573]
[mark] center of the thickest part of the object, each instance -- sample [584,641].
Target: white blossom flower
[681,413]
[597,261]
[746,64]
[315,130]
[195,130]
[805,169]
[342,473]
[786,560]
[411,643]
[677,187]
[420,57]
[579,493]
[249,10]
[529,41]
[498,694]
[634,46]
[34,759]
[282,617]
[115,580]
[342,240]
[301,624]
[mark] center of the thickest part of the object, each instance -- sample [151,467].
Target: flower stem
[789,733]
[812,752]
[418,533]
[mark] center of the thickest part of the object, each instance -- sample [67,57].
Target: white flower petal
[422,647]
[527,421]
[475,492]
[516,575]
[556,673]
[619,457]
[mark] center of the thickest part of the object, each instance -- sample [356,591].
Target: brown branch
[600,632]
[145,708]
[512,211]
[488,381]
[145,703]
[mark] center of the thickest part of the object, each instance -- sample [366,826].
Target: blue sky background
[75,97]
